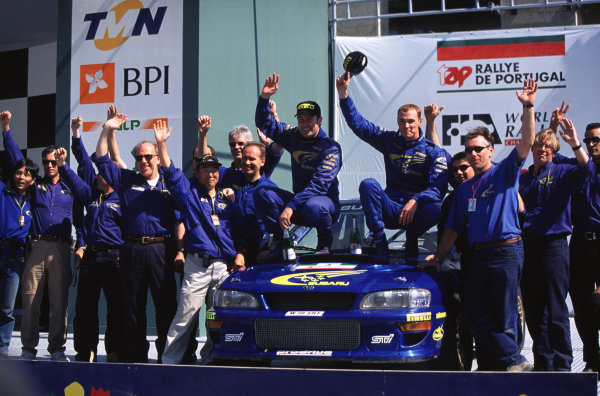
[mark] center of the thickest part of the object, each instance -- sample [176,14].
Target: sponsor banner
[475,79]
[128,53]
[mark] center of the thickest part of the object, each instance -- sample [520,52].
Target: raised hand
[60,155]
[5,120]
[568,133]
[116,121]
[111,112]
[76,123]
[161,133]
[342,82]
[432,111]
[271,86]
[204,123]
[527,97]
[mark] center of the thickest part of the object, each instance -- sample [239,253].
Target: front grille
[309,301]
[307,334]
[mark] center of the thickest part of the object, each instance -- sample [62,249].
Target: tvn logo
[110,29]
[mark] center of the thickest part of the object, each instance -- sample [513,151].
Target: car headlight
[235,299]
[394,299]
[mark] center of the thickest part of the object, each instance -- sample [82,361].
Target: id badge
[472,205]
[215,220]
[21,220]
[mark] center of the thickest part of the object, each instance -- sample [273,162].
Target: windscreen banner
[128,53]
[475,76]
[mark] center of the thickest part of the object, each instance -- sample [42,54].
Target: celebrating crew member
[416,175]
[148,251]
[316,161]
[209,242]
[488,205]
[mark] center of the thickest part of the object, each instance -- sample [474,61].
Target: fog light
[215,324]
[414,326]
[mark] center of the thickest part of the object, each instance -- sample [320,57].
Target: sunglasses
[592,140]
[461,168]
[49,162]
[233,144]
[477,149]
[147,157]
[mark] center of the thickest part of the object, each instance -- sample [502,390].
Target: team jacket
[416,169]
[51,204]
[244,197]
[585,201]
[197,207]
[13,205]
[234,179]
[146,210]
[547,197]
[102,221]
[315,162]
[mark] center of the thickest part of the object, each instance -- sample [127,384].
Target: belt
[205,259]
[97,248]
[11,243]
[51,238]
[144,240]
[495,244]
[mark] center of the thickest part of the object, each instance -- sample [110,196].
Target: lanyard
[478,183]
[20,205]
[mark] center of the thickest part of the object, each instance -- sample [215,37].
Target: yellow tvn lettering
[418,317]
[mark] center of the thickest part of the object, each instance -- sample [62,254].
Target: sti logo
[460,125]
[453,75]
[97,83]
[382,339]
[108,32]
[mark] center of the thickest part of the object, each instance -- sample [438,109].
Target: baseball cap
[309,107]
[207,159]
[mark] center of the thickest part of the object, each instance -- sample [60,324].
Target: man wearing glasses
[584,280]
[488,204]
[148,251]
[416,175]
[49,259]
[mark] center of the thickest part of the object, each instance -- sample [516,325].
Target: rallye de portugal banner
[475,75]
[127,52]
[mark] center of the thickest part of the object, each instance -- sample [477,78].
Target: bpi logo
[97,83]
[110,32]
[460,125]
[453,75]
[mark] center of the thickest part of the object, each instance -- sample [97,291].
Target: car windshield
[305,238]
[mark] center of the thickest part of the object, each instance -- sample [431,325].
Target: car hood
[327,277]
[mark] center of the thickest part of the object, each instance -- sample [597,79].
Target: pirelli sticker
[418,317]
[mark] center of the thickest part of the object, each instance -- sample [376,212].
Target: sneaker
[27,355]
[59,357]
[324,250]
[382,252]
[521,367]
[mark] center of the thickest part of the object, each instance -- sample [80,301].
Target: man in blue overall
[488,203]
[316,161]
[416,175]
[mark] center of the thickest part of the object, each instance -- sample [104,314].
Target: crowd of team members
[141,226]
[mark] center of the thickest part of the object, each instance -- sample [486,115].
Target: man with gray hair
[148,251]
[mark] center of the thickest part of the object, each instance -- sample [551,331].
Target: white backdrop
[475,75]
[128,53]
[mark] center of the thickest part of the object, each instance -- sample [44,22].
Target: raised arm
[431,112]
[161,133]
[569,135]
[113,148]
[527,97]
[342,82]
[204,124]
[12,149]
[271,86]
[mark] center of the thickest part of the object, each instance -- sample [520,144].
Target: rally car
[339,306]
